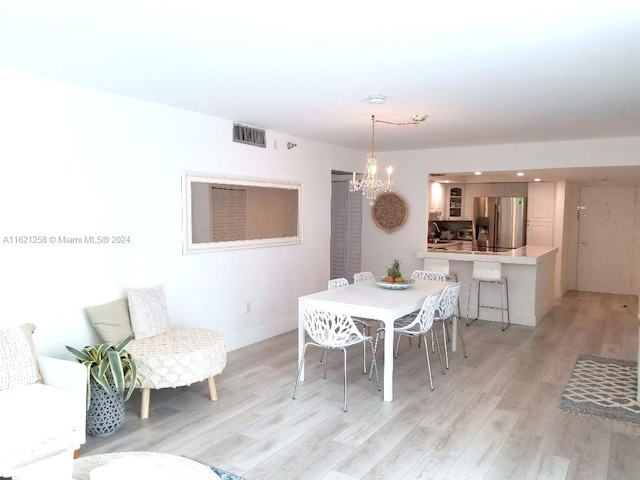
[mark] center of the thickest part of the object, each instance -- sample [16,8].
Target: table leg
[388,361]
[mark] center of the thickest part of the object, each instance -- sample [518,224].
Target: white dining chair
[362,276]
[446,311]
[419,275]
[421,324]
[428,275]
[330,330]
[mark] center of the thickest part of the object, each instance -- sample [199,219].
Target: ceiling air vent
[249,135]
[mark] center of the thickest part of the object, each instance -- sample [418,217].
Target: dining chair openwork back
[337,283]
[420,325]
[428,275]
[419,275]
[446,311]
[367,323]
[362,276]
[330,330]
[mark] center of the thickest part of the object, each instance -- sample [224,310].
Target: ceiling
[489,72]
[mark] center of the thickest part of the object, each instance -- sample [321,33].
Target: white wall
[411,181]
[78,162]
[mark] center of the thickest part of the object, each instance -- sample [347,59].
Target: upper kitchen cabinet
[541,204]
[541,213]
[509,189]
[436,200]
[455,202]
[516,189]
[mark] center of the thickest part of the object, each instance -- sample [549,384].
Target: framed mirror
[229,212]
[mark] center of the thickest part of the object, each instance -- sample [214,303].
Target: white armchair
[43,423]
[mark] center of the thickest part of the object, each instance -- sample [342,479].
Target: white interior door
[606,239]
[346,229]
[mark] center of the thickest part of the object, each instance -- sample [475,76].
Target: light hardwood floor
[493,415]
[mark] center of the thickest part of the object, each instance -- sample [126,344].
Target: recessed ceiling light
[536,179]
[376,99]
[445,181]
[520,174]
[477,173]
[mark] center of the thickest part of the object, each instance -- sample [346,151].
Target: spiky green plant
[394,269]
[106,362]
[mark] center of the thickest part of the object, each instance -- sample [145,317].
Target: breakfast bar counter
[530,272]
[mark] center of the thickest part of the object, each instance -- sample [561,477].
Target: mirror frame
[188,247]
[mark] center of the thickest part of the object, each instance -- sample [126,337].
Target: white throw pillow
[18,364]
[148,310]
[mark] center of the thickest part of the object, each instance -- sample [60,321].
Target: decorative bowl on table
[394,285]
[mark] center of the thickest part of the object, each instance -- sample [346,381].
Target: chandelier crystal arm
[370,185]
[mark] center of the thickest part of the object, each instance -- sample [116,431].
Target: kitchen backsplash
[448,226]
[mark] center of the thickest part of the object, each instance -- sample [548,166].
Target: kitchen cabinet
[436,199]
[472,190]
[541,205]
[492,190]
[455,202]
[516,189]
[541,213]
[540,233]
[509,189]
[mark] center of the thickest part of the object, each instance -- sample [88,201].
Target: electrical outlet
[248,307]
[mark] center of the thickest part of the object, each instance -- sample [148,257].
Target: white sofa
[42,424]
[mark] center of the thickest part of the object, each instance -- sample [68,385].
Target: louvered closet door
[346,227]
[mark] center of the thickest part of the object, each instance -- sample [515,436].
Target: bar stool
[490,272]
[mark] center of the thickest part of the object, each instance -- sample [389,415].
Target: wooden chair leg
[213,394]
[144,409]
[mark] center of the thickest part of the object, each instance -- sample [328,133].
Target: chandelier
[370,185]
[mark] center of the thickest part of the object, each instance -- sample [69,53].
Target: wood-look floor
[493,415]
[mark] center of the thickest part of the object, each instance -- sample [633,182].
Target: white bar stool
[490,272]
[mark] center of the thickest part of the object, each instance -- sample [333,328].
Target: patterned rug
[603,387]
[224,475]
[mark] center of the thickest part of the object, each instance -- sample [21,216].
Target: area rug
[603,387]
[224,475]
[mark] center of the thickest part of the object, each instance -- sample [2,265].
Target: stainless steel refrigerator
[499,223]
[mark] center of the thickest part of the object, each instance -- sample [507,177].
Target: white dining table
[368,300]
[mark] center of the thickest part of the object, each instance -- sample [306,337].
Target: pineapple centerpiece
[393,273]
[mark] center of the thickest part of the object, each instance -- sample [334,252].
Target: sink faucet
[437,227]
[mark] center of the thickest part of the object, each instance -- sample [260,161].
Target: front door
[606,243]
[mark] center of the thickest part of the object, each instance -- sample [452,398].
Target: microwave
[465,234]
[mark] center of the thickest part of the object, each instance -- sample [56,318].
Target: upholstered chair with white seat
[329,331]
[167,357]
[43,406]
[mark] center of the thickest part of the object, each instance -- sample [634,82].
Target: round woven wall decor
[389,211]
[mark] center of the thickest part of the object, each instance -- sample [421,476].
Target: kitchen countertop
[529,255]
[446,245]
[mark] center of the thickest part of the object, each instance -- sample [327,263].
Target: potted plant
[113,376]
